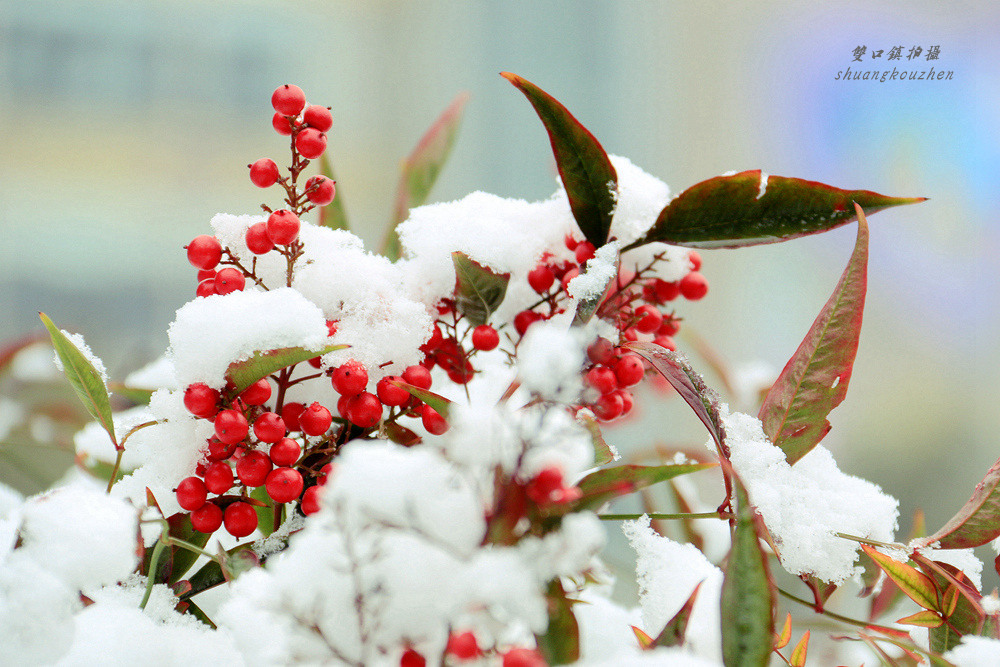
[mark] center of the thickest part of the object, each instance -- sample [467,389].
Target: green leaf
[964,617]
[689,385]
[729,211]
[333,214]
[441,404]
[560,645]
[84,377]
[673,632]
[265,512]
[421,167]
[798,658]
[479,291]
[924,618]
[747,593]
[918,586]
[586,307]
[978,522]
[603,485]
[587,173]
[815,379]
[182,559]
[602,451]
[262,363]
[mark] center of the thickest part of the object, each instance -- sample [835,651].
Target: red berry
[666,291]
[669,327]
[695,260]
[568,277]
[543,487]
[288,100]
[418,376]
[694,286]
[229,280]
[218,478]
[206,274]
[541,278]
[350,379]
[315,420]
[318,117]
[609,406]
[392,394]
[240,519]
[584,251]
[628,402]
[284,485]
[269,427]
[324,473]
[310,500]
[630,334]
[525,319]
[207,518]
[665,342]
[283,226]
[231,426]
[364,410]
[264,173]
[310,143]
[601,351]
[201,400]
[432,420]
[285,452]
[257,393]
[411,658]
[485,338]
[523,657]
[602,379]
[649,320]
[571,242]
[253,468]
[290,414]
[204,251]
[463,646]
[629,370]
[258,240]
[342,405]
[191,493]
[281,124]
[321,190]
[206,288]
[220,451]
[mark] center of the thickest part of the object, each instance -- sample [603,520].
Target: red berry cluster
[464,646]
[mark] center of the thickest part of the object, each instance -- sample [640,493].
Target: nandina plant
[398,458]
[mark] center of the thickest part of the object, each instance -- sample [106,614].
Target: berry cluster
[464,646]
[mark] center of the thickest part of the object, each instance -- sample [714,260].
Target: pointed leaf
[587,306]
[781,640]
[750,208]
[587,173]
[603,485]
[798,658]
[479,291]
[603,454]
[441,404]
[400,435]
[924,618]
[815,379]
[978,522]
[560,645]
[265,510]
[917,585]
[421,167]
[182,559]
[86,381]
[689,385]
[961,604]
[262,363]
[645,641]
[333,214]
[747,593]
[673,632]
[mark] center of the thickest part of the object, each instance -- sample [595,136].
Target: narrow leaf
[86,381]
[479,291]
[961,604]
[182,559]
[689,385]
[587,306]
[587,173]
[924,618]
[781,640]
[440,404]
[603,485]
[560,645]
[645,641]
[750,208]
[747,593]
[333,214]
[978,522]
[798,658]
[917,585]
[265,510]
[262,363]
[421,167]
[673,632]
[603,454]
[815,379]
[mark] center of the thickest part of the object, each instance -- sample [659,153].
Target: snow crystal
[975,651]
[641,197]
[210,333]
[805,505]
[549,361]
[567,551]
[601,269]
[36,620]
[667,572]
[80,344]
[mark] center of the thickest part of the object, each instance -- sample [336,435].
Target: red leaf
[978,522]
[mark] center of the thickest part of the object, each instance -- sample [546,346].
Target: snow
[963,559]
[601,269]
[157,374]
[762,186]
[549,361]
[975,652]
[80,344]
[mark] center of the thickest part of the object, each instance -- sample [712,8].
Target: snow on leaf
[480,291]
[262,363]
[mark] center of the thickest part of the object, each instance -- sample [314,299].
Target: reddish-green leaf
[978,522]
[587,173]
[479,290]
[86,381]
[602,485]
[560,645]
[645,641]
[781,640]
[917,585]
[747,593]
[798,658]
[440,404]
[749,209]
[262,363]
[400,434]
[603,453]
[815,379]
[689,385]
[421,168]
[924,618]
[333,214]
[673,632]
[965,616]
[588,305]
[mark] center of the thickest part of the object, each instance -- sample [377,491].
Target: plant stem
[659,516]
[833,615]
[114,471]
[154,564]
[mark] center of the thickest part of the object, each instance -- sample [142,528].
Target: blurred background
[125,126]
